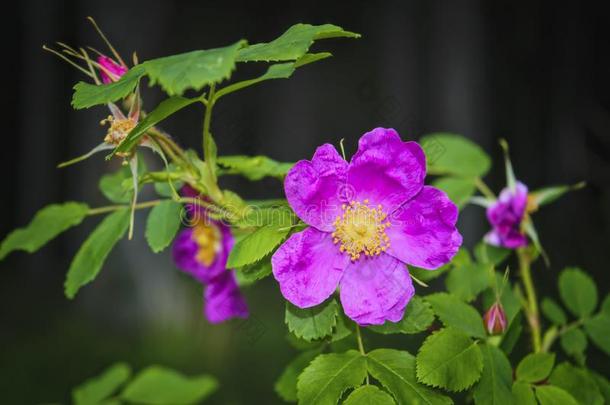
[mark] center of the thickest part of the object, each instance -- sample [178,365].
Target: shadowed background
[532,74]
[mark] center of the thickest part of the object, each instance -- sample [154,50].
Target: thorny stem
[484,189]
[361,347]
[531,304]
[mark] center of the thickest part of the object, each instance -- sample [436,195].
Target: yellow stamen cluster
[361,230]
[208,239]
[118,130]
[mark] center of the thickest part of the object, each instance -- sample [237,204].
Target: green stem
[553,334]
[361,346]
[111,208]
[484,189]
[531,305]
[207,136]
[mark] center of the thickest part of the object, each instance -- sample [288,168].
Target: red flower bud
[495,319]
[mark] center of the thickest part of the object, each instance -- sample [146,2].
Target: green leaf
[395,370]
[158,385]
[603,384]
[494,388]
[328,376]
[485,253]
[461,258]
[286,384]
[449,359]
[578,291]
[453,154]
[253,167]
[312,323]
[97,389]
[369,395]
[550,395]
[455,313]
[292,44]
[605,308]
[193,70]
[553,311]
[598,329]
[523,394]
[254,272]
[512,334]
[87,95]
[163,224]
[574,343]
[115,187]
[162,111]
[417,318]
[535,367]
[257,245]
[578,383]
[547,195]
[92,254]
[467,282]
[47,224]
[458,189]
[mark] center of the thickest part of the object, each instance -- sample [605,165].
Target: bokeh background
[534,74]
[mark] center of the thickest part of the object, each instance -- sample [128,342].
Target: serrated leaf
[467,282]
[578,383]
[523,394]
[457,314]
[369,395]
[254,272]
[535,367]
[449,359]
[495,255]
[97,389]
[553,312]
[312,323]
[257,245]
[254,167]
[47,224]
[454,154]
[158,385]
[494,388]
[459,189]
[578,291]
[328,376]
[292,44]
[115,188]
[286,384]
[163,224]
[550,395]
[417,318]
[88,95]
[91,256]
[574,343]
[395,370]
[598,330]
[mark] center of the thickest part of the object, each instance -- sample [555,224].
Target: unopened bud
[495,319]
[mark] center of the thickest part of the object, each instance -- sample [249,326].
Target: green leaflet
[254,272]
[163,224]
[257,245]
[117,186]
[95,390]
[523,394]
[578,291]
[494,388]
[417,318]
[47,224]
[578,383]
[312,323]
[468,281]
[455,313]
[458,189]
[87,95]
[292,44]
[277,71]
[93,252]
[449,359]
[485,253]
[455,155]
[535,367]
[598,329]
[550,395]
[328,376]
[286,384]
[574,343]
[395,370]
[253,167]
[553,312]
[157,385]
[369,395]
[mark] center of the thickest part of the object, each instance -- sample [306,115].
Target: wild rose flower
[368,218]
[110,70]
[506,217]
[495,319]
[202,251]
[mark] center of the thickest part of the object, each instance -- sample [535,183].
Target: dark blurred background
[534,74]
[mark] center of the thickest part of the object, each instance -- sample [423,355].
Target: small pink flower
[110,71]
[495,319]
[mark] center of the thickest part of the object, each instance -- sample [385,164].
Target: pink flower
[110,71]
[495,319]
[506,216]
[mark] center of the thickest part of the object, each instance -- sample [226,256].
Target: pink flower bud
[110,71]
[495,319]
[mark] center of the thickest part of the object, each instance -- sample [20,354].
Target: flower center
[361,229]
[118,130]
[208,240]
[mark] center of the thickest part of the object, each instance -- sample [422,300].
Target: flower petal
[422,231]
[308,267]
[314,188]
[223,299]
[505,216]
[386,170]
[376,289]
